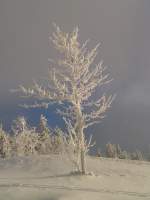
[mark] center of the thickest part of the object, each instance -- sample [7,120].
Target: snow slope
[48,178]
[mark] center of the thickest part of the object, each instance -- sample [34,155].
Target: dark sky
[122,27]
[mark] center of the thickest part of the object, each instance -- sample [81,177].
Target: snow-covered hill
[48,178]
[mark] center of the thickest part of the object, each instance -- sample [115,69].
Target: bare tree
[73,78]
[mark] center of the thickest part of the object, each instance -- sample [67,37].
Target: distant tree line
[25,141]
[115,151]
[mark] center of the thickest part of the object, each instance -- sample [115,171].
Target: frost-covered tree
[72,80]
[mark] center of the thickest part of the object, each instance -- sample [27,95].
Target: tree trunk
[81,139]
[83,163]
[82,147]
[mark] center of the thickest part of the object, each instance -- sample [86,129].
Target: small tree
[73,79]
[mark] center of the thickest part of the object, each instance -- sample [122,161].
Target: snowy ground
[47,178]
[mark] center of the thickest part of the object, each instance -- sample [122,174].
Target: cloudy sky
[123,29]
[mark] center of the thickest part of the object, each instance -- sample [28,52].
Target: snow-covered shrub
[115,151]
[26,142]
[43,125]
[111,150]
[19,125]
[58,141]
[121,154]
[124,155]
[25,139]
[137,155]
[98,153]
[5,147]
[44,144]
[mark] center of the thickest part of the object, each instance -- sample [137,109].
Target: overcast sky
[122,27]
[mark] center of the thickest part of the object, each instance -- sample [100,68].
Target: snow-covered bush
[137,155]
[115,151]
[111,150]
[25,138]
[5,145]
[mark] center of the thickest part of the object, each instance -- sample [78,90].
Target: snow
[49,178]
